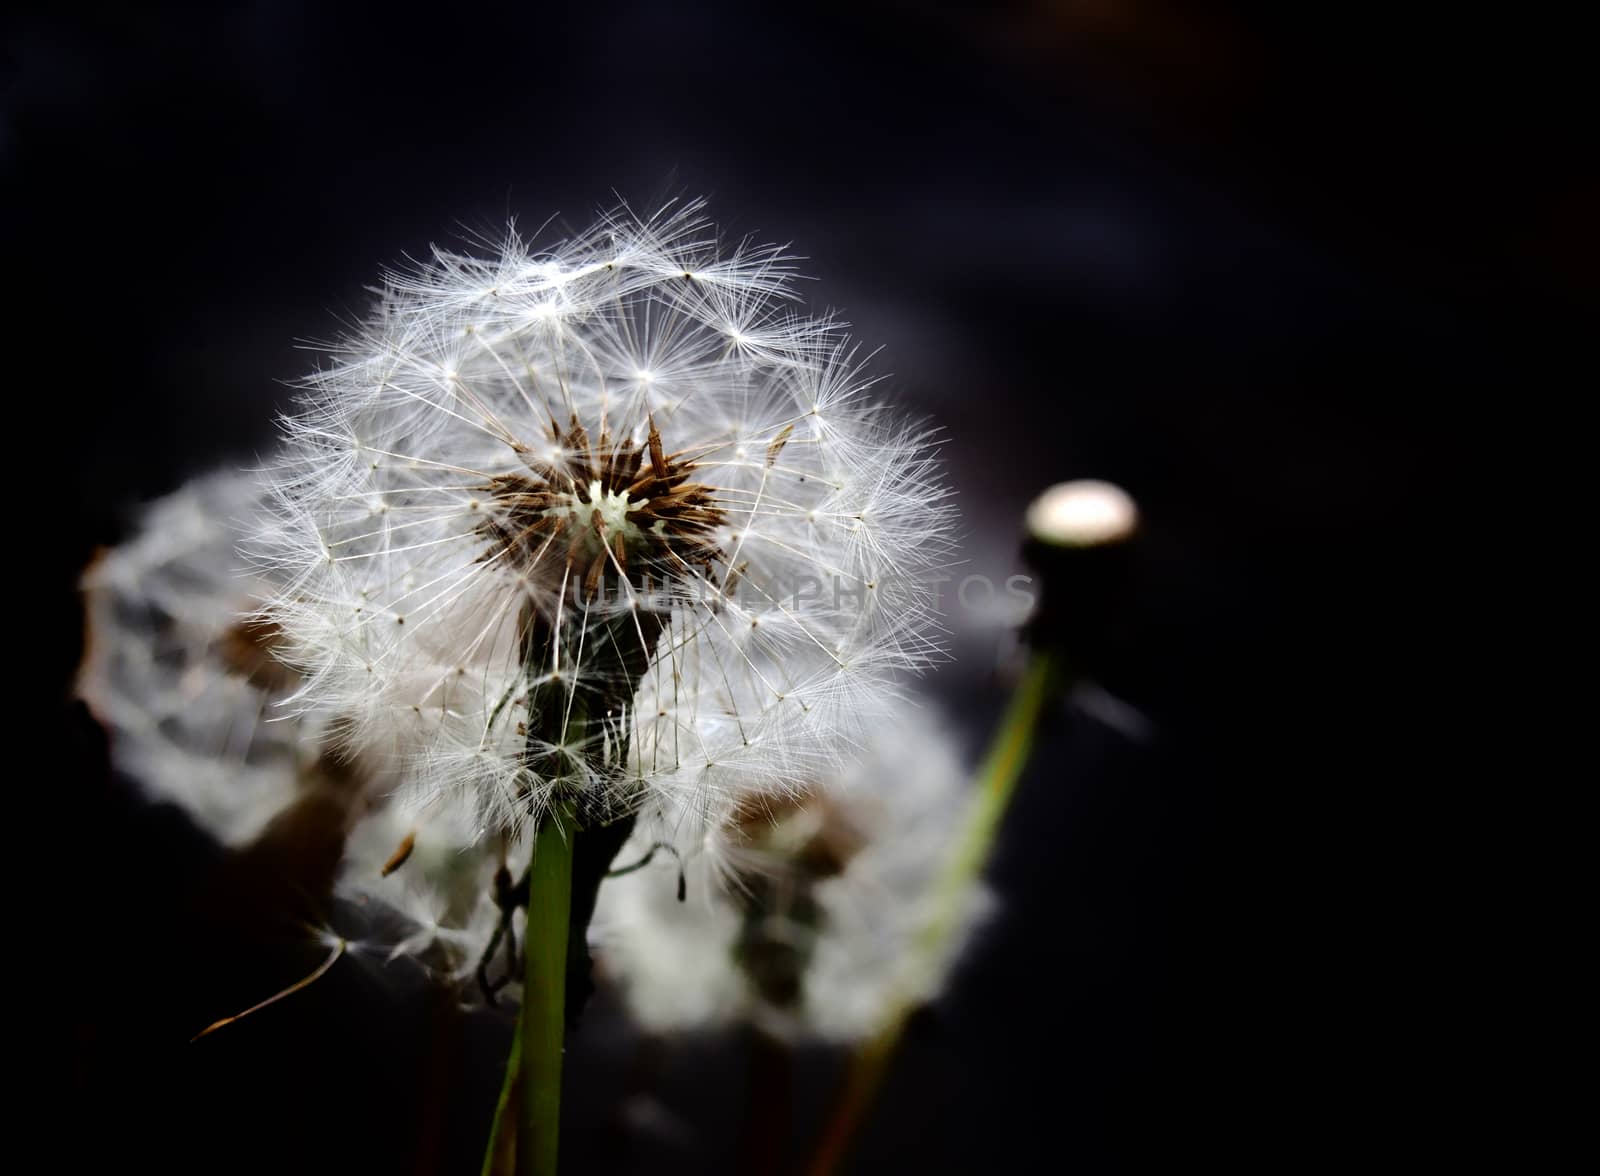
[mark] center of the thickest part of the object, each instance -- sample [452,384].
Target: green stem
[559,716]
[996,781]
[542,1028]
[500,1140]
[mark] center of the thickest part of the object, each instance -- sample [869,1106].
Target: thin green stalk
[543,1023]
[997,780]
[499,1137]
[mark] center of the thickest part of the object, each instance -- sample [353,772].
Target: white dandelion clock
[817,931]
[600,528]
[180,670]
[180,675]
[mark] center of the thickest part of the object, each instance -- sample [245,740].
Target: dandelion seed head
[602,521]
[803,915]
[179,673]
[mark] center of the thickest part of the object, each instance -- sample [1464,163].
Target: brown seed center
[606,513]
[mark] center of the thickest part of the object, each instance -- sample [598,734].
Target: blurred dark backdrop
[1258,268]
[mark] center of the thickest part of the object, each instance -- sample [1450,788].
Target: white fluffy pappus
[603,525]
[177,673]
[438,909]
[818,931]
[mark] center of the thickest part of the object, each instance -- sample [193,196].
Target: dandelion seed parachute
[606,524]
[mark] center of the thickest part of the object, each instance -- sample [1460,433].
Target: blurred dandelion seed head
[181,675]
[814,927]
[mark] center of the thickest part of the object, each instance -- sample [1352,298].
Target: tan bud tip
[1084,513]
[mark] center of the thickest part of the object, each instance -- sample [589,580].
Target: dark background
[1258,269]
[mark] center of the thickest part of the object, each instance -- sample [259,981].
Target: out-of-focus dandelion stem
[499,1157]
[997,778]
[769,1102]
